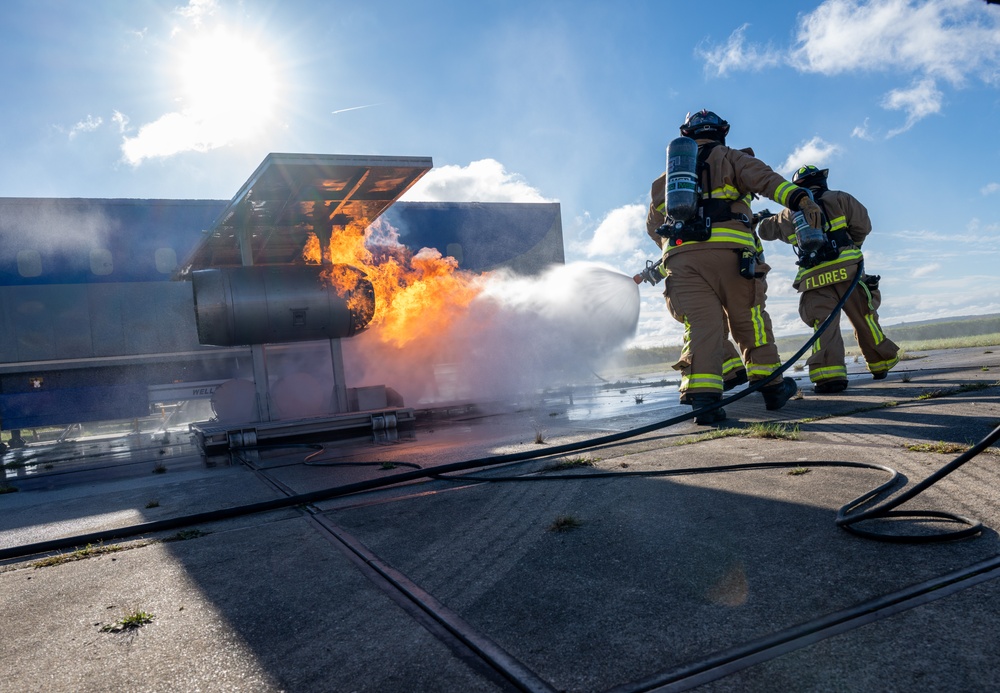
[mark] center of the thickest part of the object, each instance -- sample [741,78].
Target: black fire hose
[843,519]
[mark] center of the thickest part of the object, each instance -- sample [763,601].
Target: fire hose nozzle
[651,274]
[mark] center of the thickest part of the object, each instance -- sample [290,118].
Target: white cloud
[196,10]
[737,54]
[174,133]
[87,125]
[862,132]
[816,151]
[485,180]
[990,188]
[619,232]
[926,270]
[928,41]
[919,101]
[121,120]
[948,39]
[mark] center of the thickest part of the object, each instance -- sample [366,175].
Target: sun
[227,83]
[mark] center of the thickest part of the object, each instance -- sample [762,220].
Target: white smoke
[519,336]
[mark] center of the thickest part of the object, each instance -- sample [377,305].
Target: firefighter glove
[760,216]
[812,212]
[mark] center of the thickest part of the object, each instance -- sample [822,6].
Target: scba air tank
[682,179]
[808,239]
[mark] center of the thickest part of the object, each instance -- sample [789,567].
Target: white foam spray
[520,335]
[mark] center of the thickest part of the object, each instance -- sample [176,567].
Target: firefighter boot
[706,418]
[775,396]
[735,381]
[828,387]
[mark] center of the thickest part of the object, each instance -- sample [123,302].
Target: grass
[153,504]
[565,523]
[967,387]
[572,463]
[940,446]
[7,488]
[798,471]
[88,551]
[130,621]
[159,468]
[539,436]
[754,430]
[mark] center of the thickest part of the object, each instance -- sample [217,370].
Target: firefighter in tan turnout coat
[823,278]
[715,273]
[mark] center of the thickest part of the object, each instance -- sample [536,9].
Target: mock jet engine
[237,306]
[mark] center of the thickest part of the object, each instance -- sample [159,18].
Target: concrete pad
[657,575]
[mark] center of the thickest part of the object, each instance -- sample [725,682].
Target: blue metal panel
[487,235]
[64,233]
[74,405]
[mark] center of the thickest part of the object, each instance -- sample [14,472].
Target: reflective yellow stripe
[873,327]
[701,381]
[816,345]
[720,234]
[761,370]
[845,256]
[883,365]
[759,331]
[731,365]
[726,192]
[827,373]
[837,223]
[782,192]
[662,208]
[868,293]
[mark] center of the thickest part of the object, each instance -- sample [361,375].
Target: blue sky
[530,101]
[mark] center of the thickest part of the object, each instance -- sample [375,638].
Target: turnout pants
[705,292]
[827,359]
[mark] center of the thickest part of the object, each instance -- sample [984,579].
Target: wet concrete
[718,581]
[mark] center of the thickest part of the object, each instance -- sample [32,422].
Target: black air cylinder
[238,306]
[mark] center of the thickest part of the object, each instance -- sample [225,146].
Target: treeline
[945,329]
[915,332]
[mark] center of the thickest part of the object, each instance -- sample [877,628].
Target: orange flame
[416,296]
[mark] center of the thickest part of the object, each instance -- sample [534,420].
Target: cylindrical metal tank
[237,306]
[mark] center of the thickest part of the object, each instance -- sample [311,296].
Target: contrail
[354,108]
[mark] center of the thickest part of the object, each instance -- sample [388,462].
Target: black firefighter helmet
[705,125]
[811,177]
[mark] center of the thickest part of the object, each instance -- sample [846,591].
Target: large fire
[416,295]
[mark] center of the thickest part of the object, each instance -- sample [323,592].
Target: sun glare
[228,82]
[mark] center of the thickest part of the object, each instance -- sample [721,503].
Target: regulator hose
[844,519]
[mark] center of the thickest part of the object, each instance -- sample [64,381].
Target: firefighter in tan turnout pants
[714,269]
[734,373]
[824,276]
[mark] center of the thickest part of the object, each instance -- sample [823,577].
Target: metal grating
[291,195]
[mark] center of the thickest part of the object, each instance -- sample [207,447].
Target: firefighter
[823,277]
[734,373]
[714,267]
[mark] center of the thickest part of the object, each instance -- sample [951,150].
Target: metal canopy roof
[291,195]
